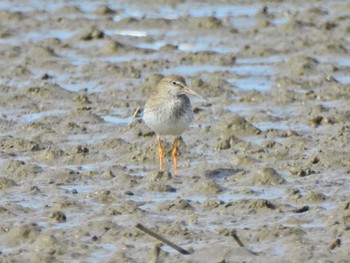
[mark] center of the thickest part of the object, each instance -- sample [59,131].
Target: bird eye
[174,82]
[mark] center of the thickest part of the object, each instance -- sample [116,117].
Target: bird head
[176,85]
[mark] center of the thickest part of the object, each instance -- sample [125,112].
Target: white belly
[164,121]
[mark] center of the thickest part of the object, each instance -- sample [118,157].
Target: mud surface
[266,160]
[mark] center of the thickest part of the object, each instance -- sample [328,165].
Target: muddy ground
[267,157]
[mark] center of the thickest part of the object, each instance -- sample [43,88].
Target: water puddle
[81,189]
[252,83]
[86,139]
[35,116]
[119,117]
[268,193]
[94,166]
[253,75]
[129,57]
[74,85]
[130,32]
[40,36]
[255,70]
[242,108]
[260,60]
[104,252]
[203,46]
[278,251]
[192,9]
[50,6]
[17,115]
[341,61]
[204,10]
[343,79]
[30,201]
[116,119]
[234,195]
[70,82]
[153,199]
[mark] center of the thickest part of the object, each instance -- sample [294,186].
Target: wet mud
[263,169]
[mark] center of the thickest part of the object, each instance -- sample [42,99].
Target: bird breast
[170,118]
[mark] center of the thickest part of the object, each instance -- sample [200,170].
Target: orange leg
[160,151]
[175,146]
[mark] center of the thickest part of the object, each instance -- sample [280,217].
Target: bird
[168,111]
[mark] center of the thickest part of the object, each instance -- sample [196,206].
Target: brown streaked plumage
[168,111]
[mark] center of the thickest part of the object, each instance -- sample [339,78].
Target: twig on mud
[162,239]
[134,115]
[240,243]
[234,235]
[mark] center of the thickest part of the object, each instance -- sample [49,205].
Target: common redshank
[168,111]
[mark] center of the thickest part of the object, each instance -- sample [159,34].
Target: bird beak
[188,91]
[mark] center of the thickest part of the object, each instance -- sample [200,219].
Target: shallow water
[107,187]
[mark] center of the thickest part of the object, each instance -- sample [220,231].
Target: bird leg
[160,151]
[175,146]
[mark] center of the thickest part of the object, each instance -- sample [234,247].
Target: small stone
[301,172]
[34,189]
[302,209]
[315,121]
[108,174]
[104,10]
[336,243]
[58,216]
[315,196]
[81,149]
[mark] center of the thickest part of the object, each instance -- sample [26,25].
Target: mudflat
[263,169]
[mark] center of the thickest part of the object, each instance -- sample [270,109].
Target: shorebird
[168,111]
